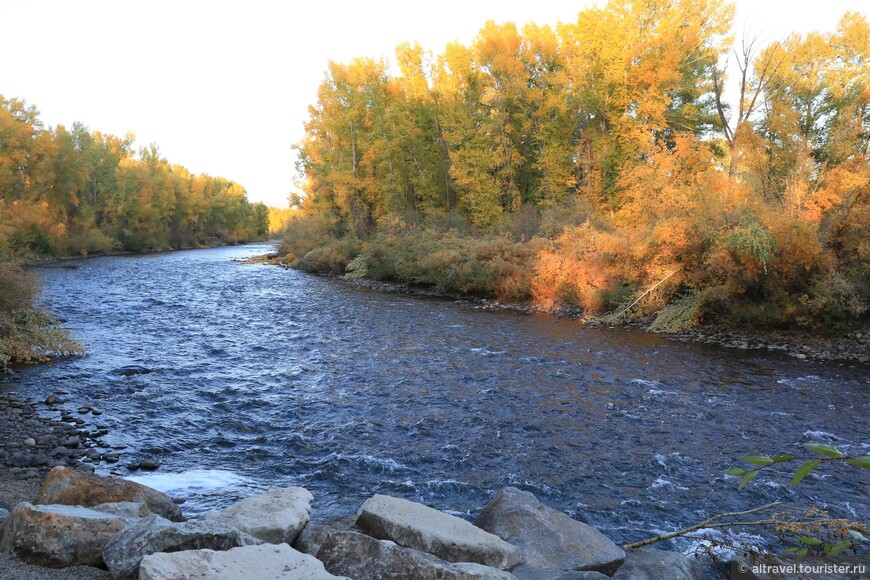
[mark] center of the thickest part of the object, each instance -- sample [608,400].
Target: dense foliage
[582,165]
[76,191]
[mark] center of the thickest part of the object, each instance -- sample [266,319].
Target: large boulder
[152,534]
[274,517]
[450,538]
[362,557]
[69,487]
[314,535]
[124,509]
[58,535]
[548,539]
[649,564]
[265,561]
[526,572]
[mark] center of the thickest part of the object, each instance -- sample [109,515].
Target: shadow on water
[263,377]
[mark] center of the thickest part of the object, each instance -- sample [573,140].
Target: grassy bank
[573,260]
[28,334]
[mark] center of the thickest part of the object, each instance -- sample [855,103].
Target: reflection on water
[280,378]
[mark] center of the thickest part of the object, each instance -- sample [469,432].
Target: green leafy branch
[831,537]
[826,453]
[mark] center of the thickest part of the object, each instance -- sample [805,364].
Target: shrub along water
[28,334]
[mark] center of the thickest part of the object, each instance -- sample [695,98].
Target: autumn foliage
[598,164]
[72,192]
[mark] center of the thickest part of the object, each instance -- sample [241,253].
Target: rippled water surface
[265,377]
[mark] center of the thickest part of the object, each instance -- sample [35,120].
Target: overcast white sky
[223,87]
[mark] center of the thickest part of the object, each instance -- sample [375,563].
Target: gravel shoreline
[20,479]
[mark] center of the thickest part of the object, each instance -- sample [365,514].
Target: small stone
[30,442]
[133,466]
[83,410]
[71,442]
[111,458]
[20,460]
[149,464]
[44,440]
[52,400]
[96,413]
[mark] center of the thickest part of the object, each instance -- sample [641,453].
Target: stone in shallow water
[416,526]
[275,516]
[58,535]
[265,561]
[548,538]
[360,556]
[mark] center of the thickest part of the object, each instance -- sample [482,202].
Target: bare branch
[709,523]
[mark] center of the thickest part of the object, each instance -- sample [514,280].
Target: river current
[263,377]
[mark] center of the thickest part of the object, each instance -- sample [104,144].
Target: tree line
[630,154]
[75,191]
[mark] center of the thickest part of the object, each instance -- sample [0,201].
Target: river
[265,377]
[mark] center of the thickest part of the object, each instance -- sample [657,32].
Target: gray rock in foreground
[548,539]
[264,561]
[276,516]
[526,572]
[124,509]
[314,535]
[362,557]
[422,528]
[58,536]
[649,564]
[69,487]
[153,534]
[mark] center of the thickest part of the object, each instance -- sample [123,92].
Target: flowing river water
[248,377]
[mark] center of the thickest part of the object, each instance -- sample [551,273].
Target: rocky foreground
[133,531]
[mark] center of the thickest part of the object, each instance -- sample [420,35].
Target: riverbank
[32,262]
[20,421]
[852,345]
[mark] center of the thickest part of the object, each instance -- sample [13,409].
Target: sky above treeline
[224,87]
